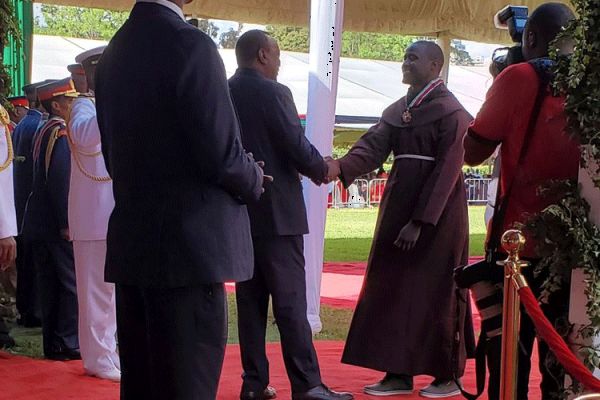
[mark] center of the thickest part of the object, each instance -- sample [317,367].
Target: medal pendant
[406,116]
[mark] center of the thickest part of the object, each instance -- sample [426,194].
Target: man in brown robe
[410,319]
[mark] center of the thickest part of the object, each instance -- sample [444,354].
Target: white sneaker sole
[439,395]
[386,393]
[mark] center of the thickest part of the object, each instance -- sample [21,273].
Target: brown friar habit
[408,311]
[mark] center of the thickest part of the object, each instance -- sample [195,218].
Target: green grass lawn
[349,233]
[348,237]
[335,327]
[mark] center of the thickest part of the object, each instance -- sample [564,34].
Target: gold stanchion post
[513,242]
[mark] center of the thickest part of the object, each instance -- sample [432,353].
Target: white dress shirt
[166,3]
[8,218]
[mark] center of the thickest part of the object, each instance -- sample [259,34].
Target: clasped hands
[333,169]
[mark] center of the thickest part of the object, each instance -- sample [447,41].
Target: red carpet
[27,379]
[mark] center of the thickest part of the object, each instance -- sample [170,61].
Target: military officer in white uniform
[8,219]
[90,205]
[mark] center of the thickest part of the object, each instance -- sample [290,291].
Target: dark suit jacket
[46,210]
[23,166]
[171,143]
[271,130]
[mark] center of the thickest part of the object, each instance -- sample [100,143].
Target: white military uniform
[8,218]
[90,205]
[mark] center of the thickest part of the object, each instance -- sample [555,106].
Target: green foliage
[376,46]
[86,23]
[290,38]
[578,76]
[567,239]
[9,28]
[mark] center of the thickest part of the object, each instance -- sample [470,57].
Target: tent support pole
[444,40]
[326,20]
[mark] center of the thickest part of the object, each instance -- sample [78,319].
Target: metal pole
[444,41]
[513,242]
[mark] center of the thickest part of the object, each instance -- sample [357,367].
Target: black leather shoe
[322,392]
[64,355]
[267,394]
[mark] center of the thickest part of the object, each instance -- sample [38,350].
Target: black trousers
[552,373]
[279,273]
[58,294]
[171,341]
[28,296]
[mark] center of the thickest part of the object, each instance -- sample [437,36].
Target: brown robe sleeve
[449,160]
[368,154]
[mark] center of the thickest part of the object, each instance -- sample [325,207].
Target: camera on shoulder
[513,19]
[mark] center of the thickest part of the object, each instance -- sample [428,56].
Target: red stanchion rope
[548,334]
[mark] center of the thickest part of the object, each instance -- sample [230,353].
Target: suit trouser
[58,294]
[278,272]
[97,313]
[552,373]
[28,297]
[171,341]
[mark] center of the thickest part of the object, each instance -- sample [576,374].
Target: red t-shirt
[551,154]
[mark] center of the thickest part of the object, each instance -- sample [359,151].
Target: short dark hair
[248,45]
[47,104]
[549,19]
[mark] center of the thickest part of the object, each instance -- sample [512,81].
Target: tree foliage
[9,28]
[377,46]
[86,23]
[578,76]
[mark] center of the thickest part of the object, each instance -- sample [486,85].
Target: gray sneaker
[391,385]
[439,389]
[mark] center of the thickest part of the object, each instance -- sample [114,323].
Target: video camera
[513,19]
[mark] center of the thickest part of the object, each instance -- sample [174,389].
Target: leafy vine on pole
[9,28]
[568,238]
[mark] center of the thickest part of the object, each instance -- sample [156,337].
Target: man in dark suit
[271,130]
[28,302]
[171,143]
[45,224]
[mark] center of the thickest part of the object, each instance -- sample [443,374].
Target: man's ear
[262,56]
[55,105]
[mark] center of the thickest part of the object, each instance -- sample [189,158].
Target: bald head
[544,24]
[423,63]
[248,45]
[257,50]
[433,52]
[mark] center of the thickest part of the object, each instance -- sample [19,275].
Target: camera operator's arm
[504,115]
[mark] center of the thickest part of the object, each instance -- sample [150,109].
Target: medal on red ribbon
[407,115]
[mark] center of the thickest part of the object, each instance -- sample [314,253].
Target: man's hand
[8,252]
[333,169]
[408,237]
[267,179]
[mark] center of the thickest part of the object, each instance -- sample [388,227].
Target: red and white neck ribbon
[430,87]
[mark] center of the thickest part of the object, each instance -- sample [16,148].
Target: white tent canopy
[462,19]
